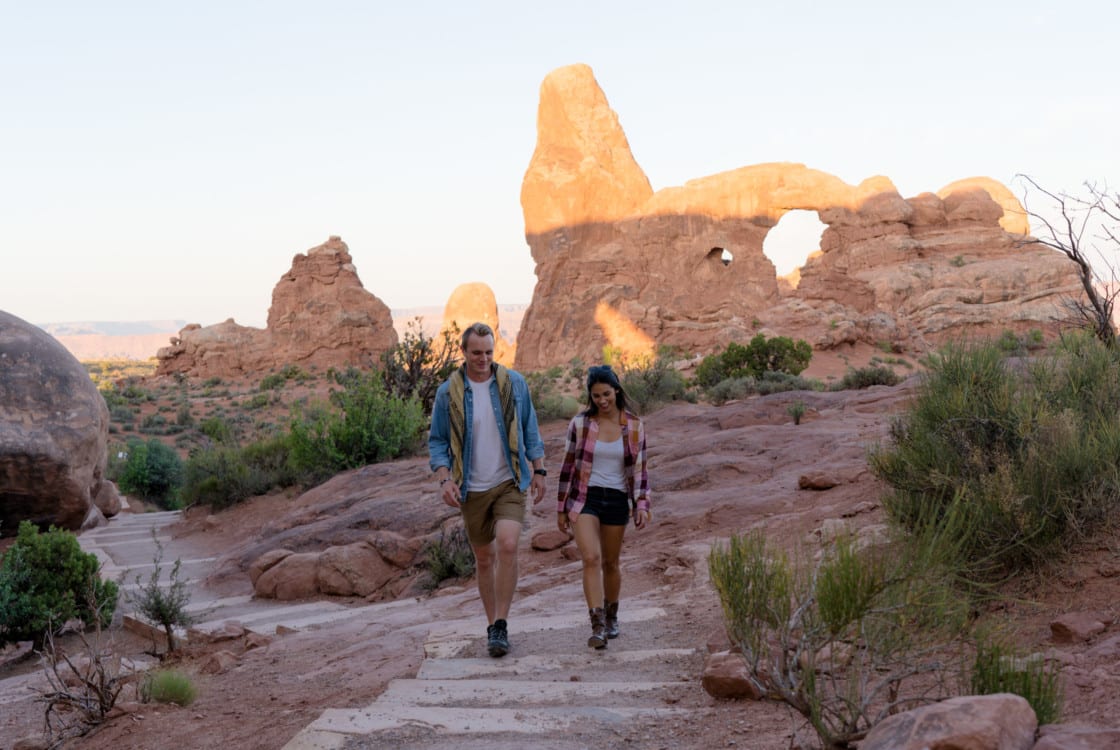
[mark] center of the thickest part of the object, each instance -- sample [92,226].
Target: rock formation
[475,303]
[54,428]
[621,265]
[321,316]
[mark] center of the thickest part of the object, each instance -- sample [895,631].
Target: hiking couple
[485,459]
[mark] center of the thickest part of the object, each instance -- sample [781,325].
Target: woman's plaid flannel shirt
[580,451]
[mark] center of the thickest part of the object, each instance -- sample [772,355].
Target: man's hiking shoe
[497,639]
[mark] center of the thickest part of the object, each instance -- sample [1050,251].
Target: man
[484,436]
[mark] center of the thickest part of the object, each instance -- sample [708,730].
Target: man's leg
[504,580]
[484,572]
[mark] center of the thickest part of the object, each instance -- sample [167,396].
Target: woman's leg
[590,551]
[611,549]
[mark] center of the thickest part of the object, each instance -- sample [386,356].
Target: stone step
[335,727]
[523,693]
[537,666]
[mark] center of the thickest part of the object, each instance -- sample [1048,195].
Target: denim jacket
[530,445]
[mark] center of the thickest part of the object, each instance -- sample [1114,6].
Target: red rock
[321,316]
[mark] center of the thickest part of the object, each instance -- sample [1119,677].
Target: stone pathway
[550,684]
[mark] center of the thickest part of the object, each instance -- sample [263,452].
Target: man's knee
[484,556]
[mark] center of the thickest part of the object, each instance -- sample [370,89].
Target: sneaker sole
[496,650]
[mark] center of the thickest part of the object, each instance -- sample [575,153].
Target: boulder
[1003,721]
[54,429]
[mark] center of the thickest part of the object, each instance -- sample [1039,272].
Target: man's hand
[536,488]
[449,491]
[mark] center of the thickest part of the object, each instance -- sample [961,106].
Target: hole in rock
[789,244]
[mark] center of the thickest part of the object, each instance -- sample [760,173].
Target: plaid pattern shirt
[579,451]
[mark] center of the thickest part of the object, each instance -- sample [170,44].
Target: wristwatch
[541,472]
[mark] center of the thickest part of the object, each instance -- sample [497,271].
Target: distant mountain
[113,328]
[141,339]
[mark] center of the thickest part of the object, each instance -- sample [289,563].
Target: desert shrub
[845,641]
[183,416]
[167,686]
[418,364]
[363,424]
[1029,453]
[779,354]
[548,401]
[865,377]
[45,580]
[796,410]
[733,389]
[258,401]
[272,382]
[998,669]
[217,429]
[122,413]
[450,557]
[166,606]
[152,471]
[652,381]
[222,475]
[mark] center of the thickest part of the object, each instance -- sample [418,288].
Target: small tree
[1080,224]
[152,471]
[419,364]
[166,607]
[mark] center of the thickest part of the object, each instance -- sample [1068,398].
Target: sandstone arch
[600,236]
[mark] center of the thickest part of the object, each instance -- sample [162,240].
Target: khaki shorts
[482,511]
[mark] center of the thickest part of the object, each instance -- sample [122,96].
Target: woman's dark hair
[604,374]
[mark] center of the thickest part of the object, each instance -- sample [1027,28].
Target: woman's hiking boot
[611,611]
[598,637]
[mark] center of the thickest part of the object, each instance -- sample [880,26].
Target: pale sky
[165,160]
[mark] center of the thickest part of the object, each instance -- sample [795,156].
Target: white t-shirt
[489,452]
[607,465]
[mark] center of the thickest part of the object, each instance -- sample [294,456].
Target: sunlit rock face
[472,303]
[321,316]
[619,265]
[54,427]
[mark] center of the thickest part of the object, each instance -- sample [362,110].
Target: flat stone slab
[454,720]
[537,664]
[526,693]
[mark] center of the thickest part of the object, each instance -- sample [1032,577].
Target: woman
[603,476]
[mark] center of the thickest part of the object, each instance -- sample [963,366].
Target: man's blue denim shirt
[529,443]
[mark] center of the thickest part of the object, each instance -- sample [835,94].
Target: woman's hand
[641,518]
[563,524]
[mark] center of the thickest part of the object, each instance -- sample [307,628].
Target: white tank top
[489,466]
[607,465]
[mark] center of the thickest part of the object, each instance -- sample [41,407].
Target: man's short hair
[478,329]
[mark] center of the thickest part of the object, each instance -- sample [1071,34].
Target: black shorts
[611,507]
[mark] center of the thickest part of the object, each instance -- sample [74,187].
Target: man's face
[479,354]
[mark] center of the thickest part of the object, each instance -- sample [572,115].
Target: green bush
[450,557]
[779,354]
[152,471]
[548,401]
[362,425]
[865,377]
[217,429]
[45,580]
[419,364]
[1029,454]
[733,389]
[224,475]
[167,686]
[272,382]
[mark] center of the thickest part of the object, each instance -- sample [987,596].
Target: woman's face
[602,395]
